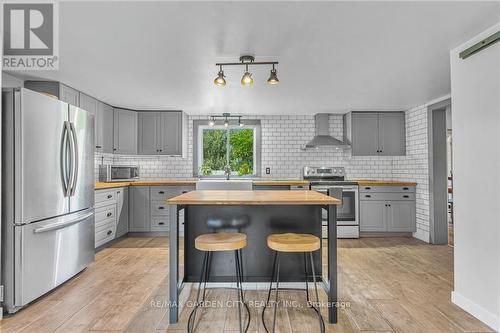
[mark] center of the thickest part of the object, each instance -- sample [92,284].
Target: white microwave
[117,173]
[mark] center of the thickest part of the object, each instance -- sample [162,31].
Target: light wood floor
[390,284]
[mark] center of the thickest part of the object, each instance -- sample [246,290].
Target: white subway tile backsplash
[283,136]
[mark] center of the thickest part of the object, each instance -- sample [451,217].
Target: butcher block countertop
[166,182]
[253,198]
[289,182]
[262,182]
[372,182]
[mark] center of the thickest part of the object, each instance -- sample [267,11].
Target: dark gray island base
[257,215]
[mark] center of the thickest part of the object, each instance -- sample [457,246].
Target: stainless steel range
[331,181]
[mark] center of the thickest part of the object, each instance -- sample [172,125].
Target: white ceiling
[334,56]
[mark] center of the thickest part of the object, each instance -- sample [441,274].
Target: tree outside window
[233,146]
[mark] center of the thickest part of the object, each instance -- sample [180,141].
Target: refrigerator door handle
[55,226]
[64,159]
[75,159]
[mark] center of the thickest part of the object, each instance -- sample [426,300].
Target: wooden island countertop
[253,198]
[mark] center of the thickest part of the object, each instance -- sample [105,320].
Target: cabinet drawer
[105,197]
[386,189]
[159,224]
[159,208]
[105,224]
[162,193]
[105,234]
[386,196]
[299,187]
[104,213]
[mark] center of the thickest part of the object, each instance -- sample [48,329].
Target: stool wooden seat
[291,242]
[221,241]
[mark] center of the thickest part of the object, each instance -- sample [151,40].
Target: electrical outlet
[268,171]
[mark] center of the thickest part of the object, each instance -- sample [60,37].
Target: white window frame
[199,126]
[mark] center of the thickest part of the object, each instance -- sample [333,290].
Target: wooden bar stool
[293,243]
[218,242]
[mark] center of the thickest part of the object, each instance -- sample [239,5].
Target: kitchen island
[257,214]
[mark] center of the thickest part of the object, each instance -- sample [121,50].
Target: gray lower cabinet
[122,206]
[140,209]
[111,214]
[125,131]
[387,209]
[373,216]
[375,133]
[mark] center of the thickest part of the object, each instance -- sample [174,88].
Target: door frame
[438,178]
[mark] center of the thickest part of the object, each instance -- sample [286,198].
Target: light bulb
[273,78]
[246,79]
[219,80]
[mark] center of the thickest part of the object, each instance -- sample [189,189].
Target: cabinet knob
[110,196]
[114,149]
[110,232]
[108,214]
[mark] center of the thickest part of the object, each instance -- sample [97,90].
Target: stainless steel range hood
[322,137]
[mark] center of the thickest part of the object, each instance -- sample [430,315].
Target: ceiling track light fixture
[246,79]
[227,118]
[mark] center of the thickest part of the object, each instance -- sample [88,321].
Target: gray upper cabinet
[160,133]
[149,128]
[365,134]
[90,104]
[57,89]
[375,133]
[391,134]
[104,127]
[170,138]
[69,95]
[125,131]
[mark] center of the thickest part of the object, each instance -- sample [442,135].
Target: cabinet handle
[368,196]
[368,188]
[98,147]
[161,207]
[161,192]
[114,149]
[110,232]
[108,214]
[110,196]
[406,196]
[184,192]
[161,223]
[405,188]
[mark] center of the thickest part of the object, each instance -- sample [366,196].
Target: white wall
[475,90]
[9,81]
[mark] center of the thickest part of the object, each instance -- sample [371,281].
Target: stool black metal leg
[192,316]
[240,266]
[307,277]
[270,288]
[277,288]
[321,322]
[238,286]
[207,273]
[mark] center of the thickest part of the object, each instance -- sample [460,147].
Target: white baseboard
[422,235]
[476,310]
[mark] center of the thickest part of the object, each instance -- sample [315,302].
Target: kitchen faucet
[227,171]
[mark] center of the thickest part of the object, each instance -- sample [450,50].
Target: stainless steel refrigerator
[47,194]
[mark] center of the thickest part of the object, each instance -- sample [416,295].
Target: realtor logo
[29,34]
